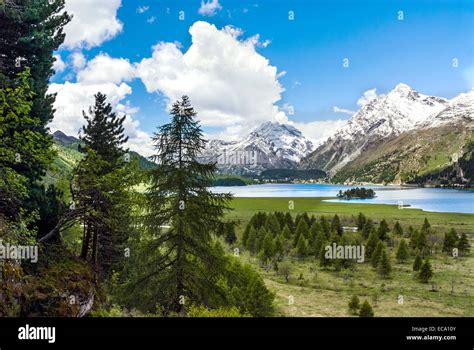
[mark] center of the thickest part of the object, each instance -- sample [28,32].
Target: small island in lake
[356,193]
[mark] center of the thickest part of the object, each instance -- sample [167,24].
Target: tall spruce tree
[187,269]
[100,188]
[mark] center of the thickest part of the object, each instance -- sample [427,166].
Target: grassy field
[327,292]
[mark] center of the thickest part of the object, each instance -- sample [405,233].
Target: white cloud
[94,21]
[58,64]
[78,60]
[320,130]
[336,109]
[151,20]
[209,8]
[142,9]
[106,75]
[104,69]
[229,83]
[368,96]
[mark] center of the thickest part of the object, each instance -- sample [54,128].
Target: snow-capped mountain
[386,116]
[269,146]
[459,110]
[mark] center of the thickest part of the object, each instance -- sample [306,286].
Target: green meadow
[314,291]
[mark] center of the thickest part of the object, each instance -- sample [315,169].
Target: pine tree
[325,227]
[323,261]
[383,230]
[414,239]
[279,247]
[366,310]
[426,227]
[100,189]
[272,225]
[376,255]
[289,221]
[252,240]
[368,228]
[261,234]
[301,229]
[286,232]
[463,243]
[426,273]
[371,243]
[336,225]
[302,247]
[245,234]
[30,32]
[268,246]
[450,241]
[402,252]
[188,265]
[384,267]
[354,305]
[397,229]
[314,230]
[417,263]
[230,236]
[361,220]
[422,242]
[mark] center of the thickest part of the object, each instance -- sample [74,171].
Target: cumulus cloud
[229,83]
[78,60]
[94,21]
[58,64]
[368,96]
[109,76]
[104,69]
[209,8]
[320,130]
[336,109]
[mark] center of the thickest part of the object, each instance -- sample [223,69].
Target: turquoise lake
[429,199]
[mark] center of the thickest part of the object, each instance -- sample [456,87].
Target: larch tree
[186,266]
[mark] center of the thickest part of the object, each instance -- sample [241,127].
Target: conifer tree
[366,310]
[417,263]
[302,247]
[323,260]
[383,230]
[325,226]
[371,243]
[384,267]
[397,229]
[354,305]
[100,188]
[301,230]
[450,241]
[426,272]
[289,221]
[230,236]
[368,228]
[187,266]
[376,255]
[286,232]
[361,220]
[402,252]
[252,240]
[272,225]
[336,225]
[463,243]
[261,234]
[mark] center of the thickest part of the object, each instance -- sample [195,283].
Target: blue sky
[307,52]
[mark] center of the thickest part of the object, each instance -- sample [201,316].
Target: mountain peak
[402,87]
